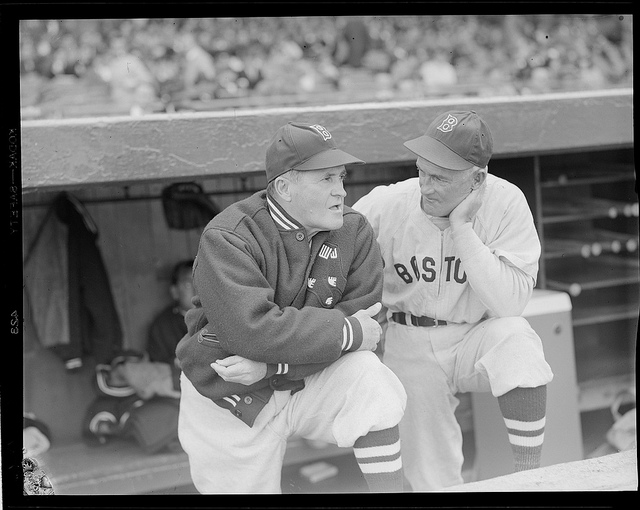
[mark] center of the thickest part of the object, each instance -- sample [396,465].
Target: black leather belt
[407,318]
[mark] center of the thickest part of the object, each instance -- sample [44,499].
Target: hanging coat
[68,289]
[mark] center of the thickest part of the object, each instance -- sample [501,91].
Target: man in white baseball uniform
[461,259]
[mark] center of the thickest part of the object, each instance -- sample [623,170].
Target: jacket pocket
[208,339]
[195,354]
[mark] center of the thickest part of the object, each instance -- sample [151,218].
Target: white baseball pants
[355,395]
[434,364]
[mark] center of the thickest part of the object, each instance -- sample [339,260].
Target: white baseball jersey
[490,274]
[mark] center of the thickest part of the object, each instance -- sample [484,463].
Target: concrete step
[615,472]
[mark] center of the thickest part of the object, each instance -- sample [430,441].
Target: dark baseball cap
[457,140]
[297,146]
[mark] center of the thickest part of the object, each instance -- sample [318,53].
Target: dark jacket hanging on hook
[68,287]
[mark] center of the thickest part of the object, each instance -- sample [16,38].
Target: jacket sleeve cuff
[277,369]
[351,334]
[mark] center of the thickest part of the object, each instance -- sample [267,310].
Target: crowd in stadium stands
[143,63]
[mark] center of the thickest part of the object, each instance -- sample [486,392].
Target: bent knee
[362,364]
[504,328]
[515,356]
[366,370]
[507,324]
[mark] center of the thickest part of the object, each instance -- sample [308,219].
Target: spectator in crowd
[66,57]
[353,43]
[437,72]
[404,70]
[253,57]
[282,71]
[199,68]
[132,84]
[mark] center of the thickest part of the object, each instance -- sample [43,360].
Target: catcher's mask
[186,206]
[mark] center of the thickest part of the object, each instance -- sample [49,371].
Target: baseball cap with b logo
[297,146]
[457,140]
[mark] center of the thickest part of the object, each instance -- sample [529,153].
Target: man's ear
[283,188]
[479,178]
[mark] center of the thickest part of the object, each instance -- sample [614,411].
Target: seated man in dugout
[168,327]
[288,283]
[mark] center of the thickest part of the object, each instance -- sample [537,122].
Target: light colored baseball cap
[457,140]
[297,146]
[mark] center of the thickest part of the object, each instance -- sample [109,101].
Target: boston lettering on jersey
[428,272]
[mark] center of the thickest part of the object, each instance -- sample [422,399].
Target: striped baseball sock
[378,455]
[524,410]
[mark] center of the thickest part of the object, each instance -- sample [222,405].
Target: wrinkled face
[442,189]
[317,198]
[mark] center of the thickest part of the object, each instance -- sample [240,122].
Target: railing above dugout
[71,153]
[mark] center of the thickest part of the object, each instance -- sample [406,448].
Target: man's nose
[340,191]
[426,187]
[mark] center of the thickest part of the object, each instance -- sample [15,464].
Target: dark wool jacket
[266,292]
[68,288]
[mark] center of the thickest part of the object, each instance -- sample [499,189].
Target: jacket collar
[281,218]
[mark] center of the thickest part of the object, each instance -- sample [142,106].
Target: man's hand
[240,370]
[371,330]
[466,210]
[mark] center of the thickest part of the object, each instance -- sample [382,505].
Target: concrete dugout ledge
[71,153]
[615,472]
